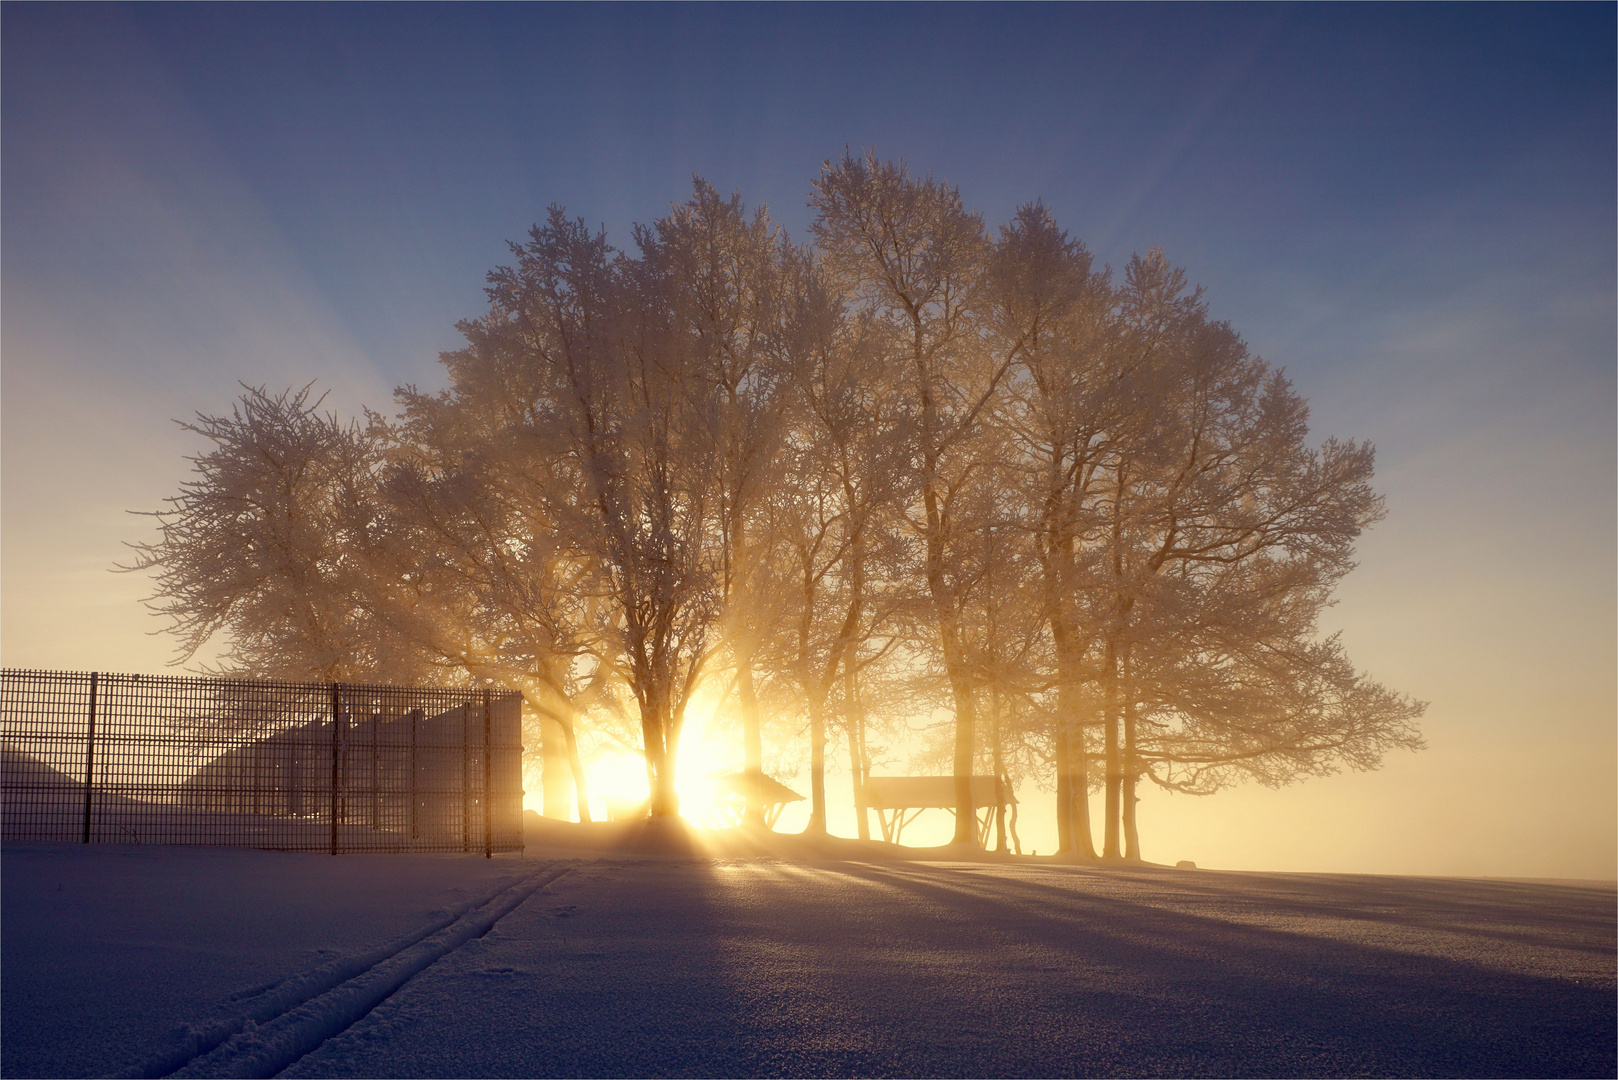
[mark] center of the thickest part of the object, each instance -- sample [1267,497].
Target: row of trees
[913,469]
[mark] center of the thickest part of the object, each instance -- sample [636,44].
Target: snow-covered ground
[232,962]
[106,951]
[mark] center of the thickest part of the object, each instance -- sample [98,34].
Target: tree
[1068,402]
[624,427]
[1248,690]
[832,513]
[478,575]
[908,461]
[1216,490]
[726,275]
[267,544]
[913,256]
[326,551]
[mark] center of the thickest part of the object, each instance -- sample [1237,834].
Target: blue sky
[1411,208]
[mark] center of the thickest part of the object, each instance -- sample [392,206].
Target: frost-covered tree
[726,277]
[834,516]
[913,465]
[1219,485]
[268,545]
[1068,401]
[1161,463]
[479,574]
[605,388]
[914,258]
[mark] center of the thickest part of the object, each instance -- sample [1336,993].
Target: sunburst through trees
[913,468]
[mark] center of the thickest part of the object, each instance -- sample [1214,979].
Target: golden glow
[617,780]
[703,757]
[617,775]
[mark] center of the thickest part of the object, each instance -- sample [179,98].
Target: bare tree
[913,256]
[1220,480]
[833,519]
[1069,401]
[323,550]
[983,469]
[725,274]
[479,574]
[1246,689]
[268,545]
[629,424]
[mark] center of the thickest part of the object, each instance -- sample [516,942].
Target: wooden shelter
[900,800]
[732,789]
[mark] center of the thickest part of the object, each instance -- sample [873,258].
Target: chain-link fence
[163,759]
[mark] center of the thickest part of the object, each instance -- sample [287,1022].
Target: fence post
[466,778]
[488,790]
[336,751]
[376,797]
[415,718]
[90,755]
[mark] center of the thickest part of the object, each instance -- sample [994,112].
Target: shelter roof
[929,792]
[773,790]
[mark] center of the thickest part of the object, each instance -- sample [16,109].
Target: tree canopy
[915,467]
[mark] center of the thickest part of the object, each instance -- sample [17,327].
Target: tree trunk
[847,654]
[1064,791]
[1131,832]
[742,649]
[817,765]
[1109,676]
[665,802]
[1076,770]
[966,812]
[1000,785]
[861,767]
[555,708]
[944,611]
[1000,788]
[1131,765]
[1084,844]
[556,776]
[576,763]
[752,741]
[659,763]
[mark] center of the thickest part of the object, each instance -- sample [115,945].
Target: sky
[1409,208]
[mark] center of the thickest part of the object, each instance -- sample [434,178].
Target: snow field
[291,1019]
[643,966]
[757,967]
[131,960]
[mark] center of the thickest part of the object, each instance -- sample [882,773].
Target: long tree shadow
[612,972]
[760,968]
[1541,914]
[1147,989]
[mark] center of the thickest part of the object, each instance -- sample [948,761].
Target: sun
[617,775]
[703,757]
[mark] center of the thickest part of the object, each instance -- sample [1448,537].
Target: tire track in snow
[293,1017]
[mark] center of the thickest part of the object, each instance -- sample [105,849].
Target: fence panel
[165,759]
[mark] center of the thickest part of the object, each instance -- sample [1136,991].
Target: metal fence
[163,759]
